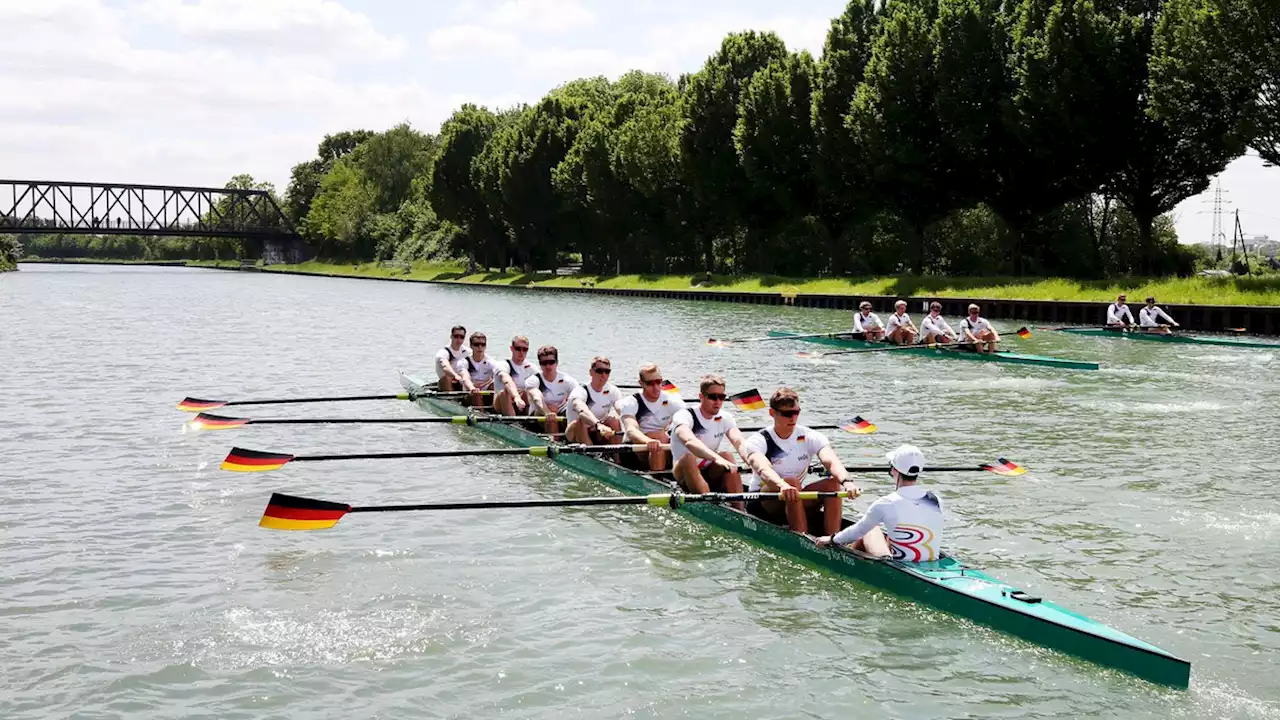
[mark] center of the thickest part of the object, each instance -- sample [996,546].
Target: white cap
[907,459]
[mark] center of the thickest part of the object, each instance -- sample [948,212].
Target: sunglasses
[788,413]
[653,382]
[517,348]
[715,396]
[479,344]
[458,337]
[601,371]
[548,361]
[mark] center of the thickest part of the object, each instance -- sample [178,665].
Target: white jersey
[896,321]
[456,359]
[483,373]
[1150,317]
[556,392]
[935,326]
[1116,313]
[654,415]
[598,402]
[710,430]
[870,321]
[912,520]
[519,373]
[975,327]
[791,457]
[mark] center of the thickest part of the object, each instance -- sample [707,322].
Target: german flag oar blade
[242,460]
[196,405]
[859,425]
[748,400]
[1024,332]
[1003,466]
[208,421]
[287,512]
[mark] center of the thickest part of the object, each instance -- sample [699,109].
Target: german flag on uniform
[206,421]
[242,460]
[859,425]
[1024,332]
[286,512]
[1005,467]
[748,400]
[196,405]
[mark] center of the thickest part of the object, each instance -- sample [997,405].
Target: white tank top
[651,416]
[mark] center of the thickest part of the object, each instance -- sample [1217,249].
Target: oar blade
[288,512]
[1006,467]
[191,404]
[1024,332]
[245,460]
[859,426]
[712,342]
[748,400]
[208,421]
[668,386]
[809,355]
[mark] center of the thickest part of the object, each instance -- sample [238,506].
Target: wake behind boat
[946,584]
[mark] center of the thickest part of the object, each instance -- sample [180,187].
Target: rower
[934,327]
[512,398]
[867,324]
[1150,316]
[1118,315]
[780,456]
[911,516]
[976,331]
[900,330]
[696,435]
[480,372]
[592,412]
[549,388]
[646,415]
[450,361]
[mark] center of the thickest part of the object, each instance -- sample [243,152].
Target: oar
[244,460]
[1001,466]
[208,421]
[729,341]
[191,404]
[288,512]
[857,425]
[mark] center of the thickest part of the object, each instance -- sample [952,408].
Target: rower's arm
[580,406]
[693,444]
[769,478]
[854,532]
[734,436]
[827,456]
[536,400]
[633,431]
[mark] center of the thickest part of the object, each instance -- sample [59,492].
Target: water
[136,583]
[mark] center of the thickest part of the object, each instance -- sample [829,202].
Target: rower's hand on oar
[851,488]
[823,541]
[789,493]
[653,446]
[605,431]
[725,465]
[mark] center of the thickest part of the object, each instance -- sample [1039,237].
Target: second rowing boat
[1001,356]
[1170,338]
[947,584]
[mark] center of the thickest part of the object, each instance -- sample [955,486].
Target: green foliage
[10,251]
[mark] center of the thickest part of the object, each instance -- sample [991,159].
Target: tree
[453,193]
[709,158]
[304,180]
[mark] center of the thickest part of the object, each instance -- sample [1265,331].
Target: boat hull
[1171,338]
[947,585]
[1000,357]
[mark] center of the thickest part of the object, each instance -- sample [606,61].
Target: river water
[136,583]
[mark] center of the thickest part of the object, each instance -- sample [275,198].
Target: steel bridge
[80,208]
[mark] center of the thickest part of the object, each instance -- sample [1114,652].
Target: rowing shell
[947,584]
[1171,338]
[1001,356]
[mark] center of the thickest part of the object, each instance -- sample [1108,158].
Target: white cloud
[544,15]
[471,40]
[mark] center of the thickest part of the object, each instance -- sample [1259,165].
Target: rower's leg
[733,480]
[576,432]
[873,543]
[689,477]
[502,403]
[658,460]
[614,424]
[797,518]
[444,384]
[831,507]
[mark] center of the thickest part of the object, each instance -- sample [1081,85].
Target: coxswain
[1118,315]
[592,411]
[910,517]
[451,361]
[512,398]
[900,330]
[934,327]
[549,388]
[780,457]
[867,324]
[976,331]
[1150,316]
[696,436]
[647,414]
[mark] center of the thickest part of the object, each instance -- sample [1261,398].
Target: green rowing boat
[948,584]
[1001,356]
[1171,338]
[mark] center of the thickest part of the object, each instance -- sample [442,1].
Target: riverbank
[1257,291]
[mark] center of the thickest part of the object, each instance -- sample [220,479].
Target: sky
[192,92]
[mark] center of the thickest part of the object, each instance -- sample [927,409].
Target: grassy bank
[1181,291]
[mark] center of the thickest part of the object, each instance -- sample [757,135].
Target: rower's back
[912,519]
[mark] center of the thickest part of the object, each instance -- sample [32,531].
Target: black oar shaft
[673,500]
[457,420]
[344,398]
[423,454]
